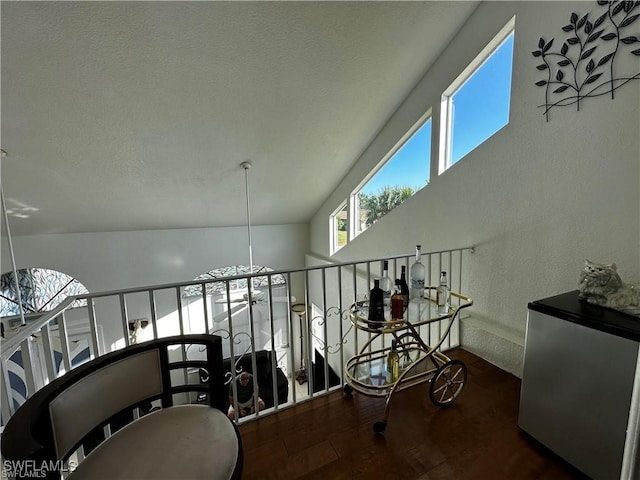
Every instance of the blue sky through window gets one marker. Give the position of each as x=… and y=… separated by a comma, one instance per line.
x=474, y=107
x=481, y=104
x=409, y=166
x=481, y=108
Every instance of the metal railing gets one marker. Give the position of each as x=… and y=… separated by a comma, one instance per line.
x=300, y=316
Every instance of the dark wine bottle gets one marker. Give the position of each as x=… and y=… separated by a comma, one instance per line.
x=404, y=287
x=376, y=306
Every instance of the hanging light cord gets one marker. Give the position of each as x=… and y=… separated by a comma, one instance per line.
x=23, y=322
x=247, y=166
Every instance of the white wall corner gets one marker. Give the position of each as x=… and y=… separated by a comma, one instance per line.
x=493, y=344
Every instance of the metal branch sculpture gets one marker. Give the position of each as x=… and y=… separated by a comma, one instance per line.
x=575, y=72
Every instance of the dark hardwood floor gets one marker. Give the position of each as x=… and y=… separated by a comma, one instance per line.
x=475, y=438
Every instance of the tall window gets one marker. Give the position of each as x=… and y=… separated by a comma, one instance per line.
x=476, y=105
x=41, y=290
x=339, y=227
x=405, y=171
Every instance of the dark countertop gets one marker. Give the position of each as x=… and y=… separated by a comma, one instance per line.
x=568, y=307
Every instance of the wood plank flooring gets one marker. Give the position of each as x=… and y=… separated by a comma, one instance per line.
x=476, y=438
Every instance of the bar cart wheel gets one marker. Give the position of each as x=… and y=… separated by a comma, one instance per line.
x=380, y=427
x=348, y=389
x=447, y=383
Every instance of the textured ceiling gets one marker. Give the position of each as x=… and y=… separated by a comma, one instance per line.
x=136, y=115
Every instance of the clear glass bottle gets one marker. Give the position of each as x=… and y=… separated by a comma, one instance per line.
x=404, y=287
x=417, y=277
x=397, y=304
x=442, y=295
x=385, y=284
x=393, y=363
x=376, y=306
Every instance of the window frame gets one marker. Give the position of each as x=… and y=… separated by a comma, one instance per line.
x=446, y=102
x=333, y=226
x=238, y=286
x=354, y=199
x=43, y=291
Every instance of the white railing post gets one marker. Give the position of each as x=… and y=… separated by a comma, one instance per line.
x=207, y=327
x=325, y=329
x=64, y=342
x=27, y=364
x=93, y=329
x=48, y=354
x=180, y=313
x=154, y=315
x=307, y=324
x=6, y=403
x=340, y=322
x=124, y=317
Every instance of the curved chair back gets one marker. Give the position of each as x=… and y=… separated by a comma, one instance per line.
x=58, y=418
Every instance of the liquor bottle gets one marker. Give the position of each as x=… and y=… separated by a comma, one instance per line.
x=376, y=306
x=442, y=295
x=404, y=288
x=385, y=284
x=397, y=304
x=393, y=363
x=417, y=277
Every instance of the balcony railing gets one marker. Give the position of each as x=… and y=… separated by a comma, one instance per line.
x=300, y=317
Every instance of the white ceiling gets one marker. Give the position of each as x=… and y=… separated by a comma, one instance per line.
x=137, y=115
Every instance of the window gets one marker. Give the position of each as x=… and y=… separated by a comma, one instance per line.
x=339, y=227
x=41, y=290
x=235, y=285
x=476, y=105
x=404, y=173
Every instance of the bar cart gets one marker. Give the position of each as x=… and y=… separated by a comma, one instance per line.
x=420, y=356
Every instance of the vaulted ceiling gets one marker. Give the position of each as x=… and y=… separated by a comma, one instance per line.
x=136, y=115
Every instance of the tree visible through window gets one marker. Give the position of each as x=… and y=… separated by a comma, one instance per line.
x=406, y=172
x=340, y=228
x=375, y=206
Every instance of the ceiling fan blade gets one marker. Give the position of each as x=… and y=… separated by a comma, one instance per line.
x=235, y=300
x=258, y=296
x=291, y=299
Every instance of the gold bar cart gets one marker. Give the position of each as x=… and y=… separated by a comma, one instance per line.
x=366, y=372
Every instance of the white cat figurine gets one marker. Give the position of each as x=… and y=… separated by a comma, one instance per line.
x=601, y=285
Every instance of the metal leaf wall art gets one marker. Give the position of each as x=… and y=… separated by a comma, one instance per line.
x=584, y=67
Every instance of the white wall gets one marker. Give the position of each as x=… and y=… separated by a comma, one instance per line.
x=536, y=199
x=119, y=260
